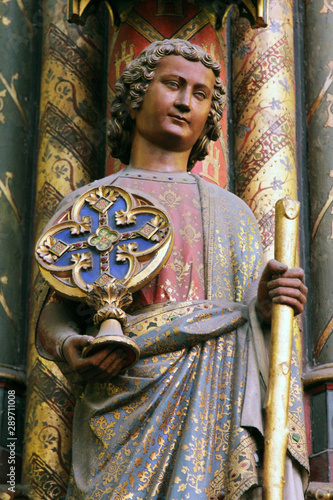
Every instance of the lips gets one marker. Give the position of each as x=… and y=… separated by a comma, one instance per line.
x=180, y=118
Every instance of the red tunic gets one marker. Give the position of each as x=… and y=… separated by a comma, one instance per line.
x=182, y=278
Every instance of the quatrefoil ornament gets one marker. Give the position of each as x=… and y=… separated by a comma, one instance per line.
x=108, y=244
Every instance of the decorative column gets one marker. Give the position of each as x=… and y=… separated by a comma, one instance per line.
x=264, y=102
x=319, y=379
x=18, y=30
x=264, y=116
x=71, y=149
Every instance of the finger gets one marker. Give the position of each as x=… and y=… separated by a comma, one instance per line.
x=101, y=368
x=297, y=305
x=77, y=343
x=293, y=293
x=99, y=375
x=273, y=267
x=81, y=340
x=111, y=371
x=93, y=361
x=86, y=339
x=114, y=362
x=117, y=355
x=295, y=272
x=294, y=283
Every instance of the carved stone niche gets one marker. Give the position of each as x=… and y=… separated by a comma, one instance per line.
x=253, y=10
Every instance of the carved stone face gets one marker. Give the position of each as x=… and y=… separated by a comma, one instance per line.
x=176, y=105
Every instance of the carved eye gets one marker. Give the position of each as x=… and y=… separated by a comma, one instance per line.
x=201, y=95
x=173, y=84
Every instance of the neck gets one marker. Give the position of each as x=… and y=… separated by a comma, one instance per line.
x=146, y=156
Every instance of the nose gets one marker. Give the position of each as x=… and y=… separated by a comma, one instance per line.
x=183, y=101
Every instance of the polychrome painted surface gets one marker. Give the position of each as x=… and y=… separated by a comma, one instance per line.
x=150, y=21
x=264, y=114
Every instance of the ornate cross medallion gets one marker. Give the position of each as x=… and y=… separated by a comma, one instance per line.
x=108, y=244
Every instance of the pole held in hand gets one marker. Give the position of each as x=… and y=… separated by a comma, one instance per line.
x=277, y=405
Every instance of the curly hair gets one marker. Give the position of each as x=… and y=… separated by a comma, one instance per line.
x=132, y=86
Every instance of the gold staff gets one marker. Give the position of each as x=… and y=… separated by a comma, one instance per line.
x=276, y=430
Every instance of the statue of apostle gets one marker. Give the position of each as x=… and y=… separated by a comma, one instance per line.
x=186, y=421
